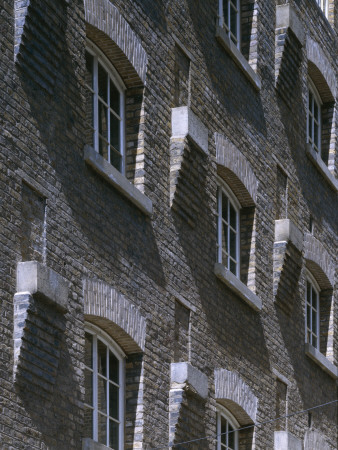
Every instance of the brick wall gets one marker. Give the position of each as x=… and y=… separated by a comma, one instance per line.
x=85, y=229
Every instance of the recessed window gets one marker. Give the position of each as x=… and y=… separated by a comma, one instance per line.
x=227, y=434
x=229, y=12
x=312, y=313
x=228, y=242
x=314, y=119
x=104, y=108
x=104, y=389
x=324, y=5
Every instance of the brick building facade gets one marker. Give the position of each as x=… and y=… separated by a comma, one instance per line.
x=168, y=224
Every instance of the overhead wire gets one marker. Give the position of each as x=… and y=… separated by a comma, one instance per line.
x=258, y=425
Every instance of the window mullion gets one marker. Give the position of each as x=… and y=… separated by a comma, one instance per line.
x=108, y=116
x=95, y=393
x=107, y=396
x=96, y=104
x=219, y=218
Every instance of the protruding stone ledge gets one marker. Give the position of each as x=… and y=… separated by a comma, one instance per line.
x=89, y=444
x=238, y=58
x=37, y=279
x=193, y=379
x=116, y=179
x=286, y=441
x=237, y=286
x=320, y=359
x=286, y=17
x=286, y=231
x=322, y=167
x=185, y=123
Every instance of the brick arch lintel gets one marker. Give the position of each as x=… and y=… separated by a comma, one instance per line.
x=232, y=392
x=325, y=72
x=319, y=262
x=236, y=170
x=104, y=16
x=115, y=314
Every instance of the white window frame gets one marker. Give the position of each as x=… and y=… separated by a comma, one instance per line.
x=118, y=83
x=97, y=333
x=314, y=287
x=227, y=26
x=223, y=188
x=315, y=99
x=324, y=6
x=222, y=412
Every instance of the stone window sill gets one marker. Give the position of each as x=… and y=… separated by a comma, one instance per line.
x=237, y=286
x=89, y=444
x=322, y=167
x=116, y=179
x=238, y=58
x=320, y=359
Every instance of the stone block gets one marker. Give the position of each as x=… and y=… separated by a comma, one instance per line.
x=38, y=279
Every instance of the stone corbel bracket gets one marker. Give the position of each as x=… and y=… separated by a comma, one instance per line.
x=286, y=21
x=188, y=147
x=36, y=281
x=184, y=379
x=287, y=250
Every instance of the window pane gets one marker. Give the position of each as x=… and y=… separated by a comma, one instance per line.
x=308, y=316
x=316, y=137
x=314, y=321
x=233, y=217
x=231, y=436
x=102, y=394
x=113, y=401
x=233, y=22
x=115, y=140
x=225, y=207
x=89, y=70
x=114, y=98
x=113, y=435
x=225, y=237
x=113, y=368
x=316, y=111
x=88, y=387
x=103, y=126
x=103, y=83
x=115, y=158
x=89, y=350
x=314, y=341
x=103, y=148
x=101, y=358
x=88, y=422
x=233, y=267
x=310, y=128
x=102, y=429
x=308, y=292
x=223, y=430
x=226, y=12
x=233, y=249
x=310, y=101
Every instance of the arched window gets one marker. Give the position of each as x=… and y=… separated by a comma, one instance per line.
x=104, y=107
x=228, y=241
x=227, y=434
x=104, y=389
x=314, y=119
x=312, y=320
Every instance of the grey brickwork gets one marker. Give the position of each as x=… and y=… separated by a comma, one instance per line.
x=134, y=254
